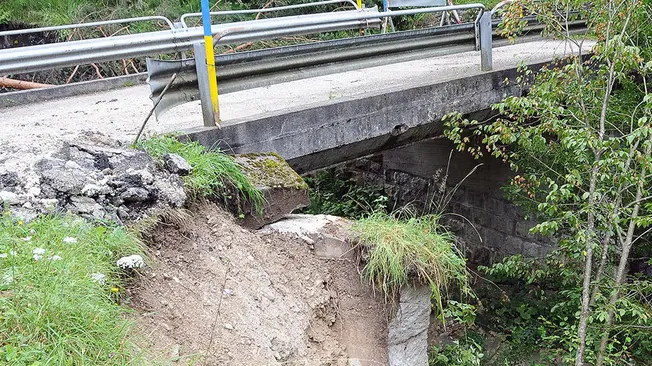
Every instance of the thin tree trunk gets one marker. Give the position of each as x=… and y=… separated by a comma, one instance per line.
x=586, y=280
x=624, y=256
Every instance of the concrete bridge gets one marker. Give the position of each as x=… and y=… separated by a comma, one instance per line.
x=313, y=122
x=390, y=113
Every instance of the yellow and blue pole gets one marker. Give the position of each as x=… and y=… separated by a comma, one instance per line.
x=210, y=58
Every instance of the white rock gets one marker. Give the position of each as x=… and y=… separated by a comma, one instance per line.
x=228, y=326
x=34, y=191
x=91, y=190
x=132, y=261
x=9, y=198
x=72, y=165
x=99, y=278
x=49, y=203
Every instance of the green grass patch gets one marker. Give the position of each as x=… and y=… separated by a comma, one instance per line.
x=214, y=174
x=404, y=249
x=52, y=309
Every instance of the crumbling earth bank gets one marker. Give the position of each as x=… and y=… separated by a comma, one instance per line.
x=222, y=295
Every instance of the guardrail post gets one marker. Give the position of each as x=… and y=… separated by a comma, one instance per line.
x=204, y=86
x=486, y=34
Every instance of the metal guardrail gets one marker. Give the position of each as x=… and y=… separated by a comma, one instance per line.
x=49, y=56
x=201, y=72
x=266, y=67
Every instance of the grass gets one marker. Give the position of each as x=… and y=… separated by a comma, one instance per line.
x=52, y=311
x=404, y=249
x=214, y=174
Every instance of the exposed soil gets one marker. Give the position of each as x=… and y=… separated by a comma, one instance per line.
x=222, y=295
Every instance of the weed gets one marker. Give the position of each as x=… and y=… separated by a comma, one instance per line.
x=462, y=353
x=214, y=174
x=58, y=289
x=336, y=193
x=416, y=247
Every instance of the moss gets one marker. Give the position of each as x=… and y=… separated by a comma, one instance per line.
x=270, y=170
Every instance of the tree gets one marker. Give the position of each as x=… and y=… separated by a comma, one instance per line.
x=581, y=144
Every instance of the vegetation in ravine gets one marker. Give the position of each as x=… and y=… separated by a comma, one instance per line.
x=214, y=174
x=336, y=192
x=60, y=292
x=580, y=145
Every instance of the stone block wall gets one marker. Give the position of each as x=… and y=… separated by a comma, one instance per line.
x=487, y=226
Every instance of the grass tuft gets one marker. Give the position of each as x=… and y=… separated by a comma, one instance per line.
x=214, y=174
x=414, y=248
x=52, y=310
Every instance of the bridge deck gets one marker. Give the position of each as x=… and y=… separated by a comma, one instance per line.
x=34, y=129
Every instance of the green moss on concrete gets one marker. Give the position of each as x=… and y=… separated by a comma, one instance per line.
x=270, y=170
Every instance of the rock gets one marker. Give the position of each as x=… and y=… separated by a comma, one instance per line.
x=135, y=194
x=63, y=181
x=106, y=181
x=408, y=331
x=92, y=190
x=34, y=191
x=71, y=165
x=127, y=159
x=8, y=179
x=9, y=198
x=172, y=190
x=327, y=235
x=131, y=262
x=282, y=350
x=228, y=326
x=49, y=203
x=174, y=163
x=86, y=205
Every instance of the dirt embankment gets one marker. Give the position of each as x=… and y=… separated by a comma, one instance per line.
x=222, y=295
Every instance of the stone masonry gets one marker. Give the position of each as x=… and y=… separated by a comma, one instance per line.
x=487, y=226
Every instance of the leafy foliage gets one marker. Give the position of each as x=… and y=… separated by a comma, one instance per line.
x=580, y=144
x=536, y=306
x=336, y=193
x=52, y=310
x=466, y=352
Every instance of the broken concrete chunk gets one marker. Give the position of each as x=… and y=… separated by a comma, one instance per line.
x=283, y=189
x=174, y=163
x=326, y=235
x=135, y=194
x=86, y=205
